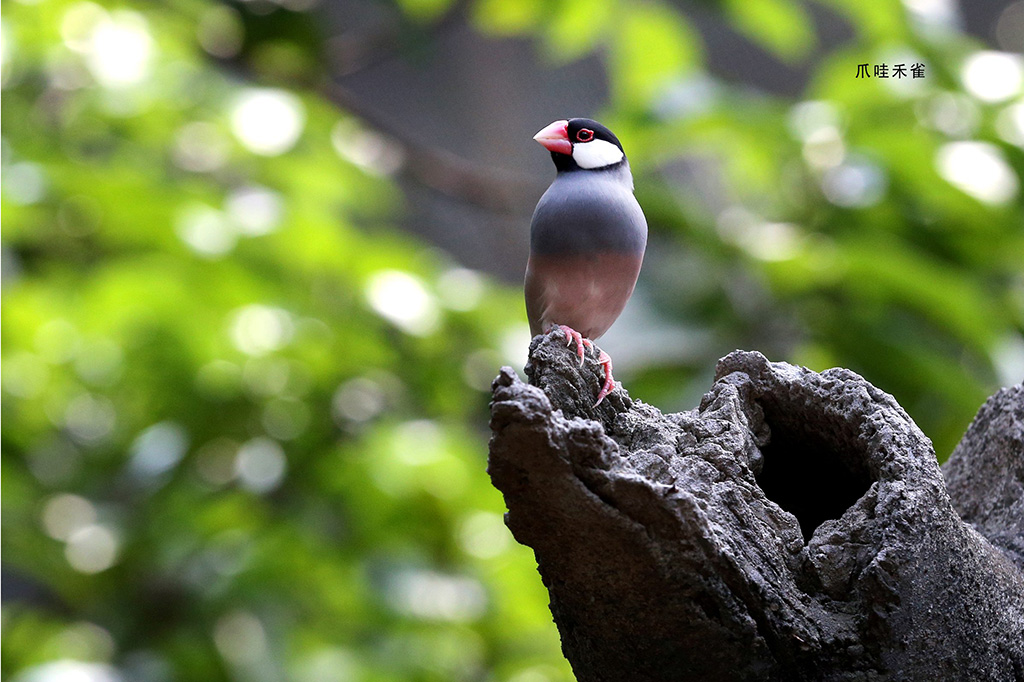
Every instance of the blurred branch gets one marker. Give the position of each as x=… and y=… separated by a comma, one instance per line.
x=481, y=185
x=485, y=186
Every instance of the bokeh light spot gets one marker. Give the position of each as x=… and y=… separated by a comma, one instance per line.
x=357, y=400
x=856, y=183
x=480, y=368
x=1010, y=124
x=254, y=210
x=200, y=147
x=120, y=49
x=65, y=514
x=375, y=153
x=206, y=231
x=240, y=638
x=952, y=113
x=403, y=299
x=90, y=419
x=67, y=670
x=484, y=535
x=993, y=76
x=806, y=119
x=539, y=673
x=824, y=148
x=24, y=183
x=259, y=329
x=268, y=121
x=220, y=31
x=92, y=549
x=78, y=24
x=515, y=345
x=58, y=341
x=418, y=442
x=934, y=17
x=7, y=50
x=978, y=169
x=260, y=465
x=99, y=362
x=460, y=289
x=85, y=641
x=158, y=449
x=1008, y=358
x=24, y=375
x=436, y=596
x=266, y=376
x=760, y=239
x=332, y=663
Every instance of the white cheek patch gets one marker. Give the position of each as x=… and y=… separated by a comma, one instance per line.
x=595, y=154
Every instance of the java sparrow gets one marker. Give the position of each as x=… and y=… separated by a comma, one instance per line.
x=587, y=238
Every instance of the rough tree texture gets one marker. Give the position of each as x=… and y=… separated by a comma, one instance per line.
x=795, y=526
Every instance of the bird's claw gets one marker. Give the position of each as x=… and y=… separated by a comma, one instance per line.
x=573, y=335
x=609, y=382
x=583, y=344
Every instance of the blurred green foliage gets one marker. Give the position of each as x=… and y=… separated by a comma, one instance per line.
x=244, y=416
x=237, y=443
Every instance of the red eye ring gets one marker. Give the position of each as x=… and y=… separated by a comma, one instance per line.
x=585, y=135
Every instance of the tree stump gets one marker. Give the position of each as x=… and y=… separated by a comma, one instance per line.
x=795, y=526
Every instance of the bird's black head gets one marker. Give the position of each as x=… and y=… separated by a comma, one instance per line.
x=581, y=144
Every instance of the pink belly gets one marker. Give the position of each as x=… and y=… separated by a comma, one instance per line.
x=586, y=293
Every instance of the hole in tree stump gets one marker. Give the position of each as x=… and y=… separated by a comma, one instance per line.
x=809, y=477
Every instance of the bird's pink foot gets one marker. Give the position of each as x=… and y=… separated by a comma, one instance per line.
x=609, y=382
x=581, y=343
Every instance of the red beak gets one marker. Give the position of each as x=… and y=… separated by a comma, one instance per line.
x=555, y=137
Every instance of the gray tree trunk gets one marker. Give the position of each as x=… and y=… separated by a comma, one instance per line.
x=795, y=526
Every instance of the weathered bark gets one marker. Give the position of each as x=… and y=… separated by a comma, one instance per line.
x=985, y=474
x=795, y=526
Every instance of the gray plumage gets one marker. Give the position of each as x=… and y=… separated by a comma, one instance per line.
x=587, y=242
x=584, y=211
x=587, y=238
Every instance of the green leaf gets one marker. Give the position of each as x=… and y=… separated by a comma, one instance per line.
x=653, y=47
x=571, y=32
x=780, y=26
x=507, y=17
x=887, y=270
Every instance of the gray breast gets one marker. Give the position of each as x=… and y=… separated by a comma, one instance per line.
x=584, y=212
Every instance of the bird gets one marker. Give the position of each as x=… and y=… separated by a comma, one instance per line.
x=587, y=239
